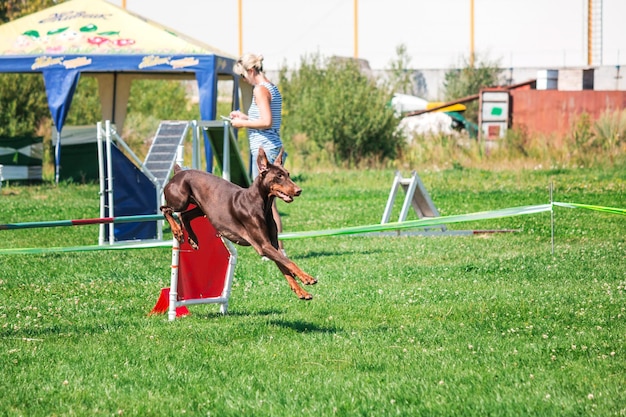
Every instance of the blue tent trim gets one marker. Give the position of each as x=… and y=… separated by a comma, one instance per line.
x=61, y=74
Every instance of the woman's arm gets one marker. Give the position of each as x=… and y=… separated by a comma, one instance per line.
x=263, y=98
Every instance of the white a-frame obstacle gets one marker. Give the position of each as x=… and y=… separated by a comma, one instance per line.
x=416, y=196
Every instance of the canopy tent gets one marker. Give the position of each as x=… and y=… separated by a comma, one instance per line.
x=100, y=39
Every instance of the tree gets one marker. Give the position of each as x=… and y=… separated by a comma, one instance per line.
x=23, y=105
x=400, y=78
x=469, y=80
x=338, y=108
x=13, y=9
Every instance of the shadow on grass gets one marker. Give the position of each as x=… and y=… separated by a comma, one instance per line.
x=318, y=254
x=302, y=326
x=246, y=313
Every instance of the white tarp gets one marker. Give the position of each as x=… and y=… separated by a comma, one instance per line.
x=403, y=103
x=427, y=123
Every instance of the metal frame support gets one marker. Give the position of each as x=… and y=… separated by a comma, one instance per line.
x=416, y=196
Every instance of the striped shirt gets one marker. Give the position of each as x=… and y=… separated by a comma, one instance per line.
x=267, y=138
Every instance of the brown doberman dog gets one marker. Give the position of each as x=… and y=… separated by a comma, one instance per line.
x=241, y=215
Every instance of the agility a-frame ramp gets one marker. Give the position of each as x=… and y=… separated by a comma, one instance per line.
x=166, y=149
x=126, y=188
x=129, y=186
x=416, y=196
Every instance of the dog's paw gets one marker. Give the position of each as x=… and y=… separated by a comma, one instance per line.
x=308, y=280
x=193, y=244
x=305, y=296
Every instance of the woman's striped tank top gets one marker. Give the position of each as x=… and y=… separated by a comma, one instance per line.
x=267, y=138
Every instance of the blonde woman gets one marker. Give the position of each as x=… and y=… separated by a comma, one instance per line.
x=263, y=119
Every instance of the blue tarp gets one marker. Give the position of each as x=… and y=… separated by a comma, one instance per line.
x=134, y=194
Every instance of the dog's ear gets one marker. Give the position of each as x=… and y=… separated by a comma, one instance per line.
x=262, y=161
x=279, y=158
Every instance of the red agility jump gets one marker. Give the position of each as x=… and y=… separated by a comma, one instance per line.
x=202, y=276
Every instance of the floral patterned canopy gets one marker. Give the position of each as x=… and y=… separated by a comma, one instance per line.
x=97, y=37
x=93, y=27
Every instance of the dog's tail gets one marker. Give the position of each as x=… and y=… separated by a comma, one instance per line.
x=177, y=169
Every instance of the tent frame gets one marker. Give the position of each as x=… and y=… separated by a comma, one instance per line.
x=115, y=70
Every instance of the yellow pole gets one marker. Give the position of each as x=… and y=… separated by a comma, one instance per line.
x=123, y=4
x=240, y=29
x=471, y=58
x=589, y=32
x=356, y=29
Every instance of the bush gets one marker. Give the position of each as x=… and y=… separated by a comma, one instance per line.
x=591, y=141
x=610, y=132
x=333, y=107
x=23, y=104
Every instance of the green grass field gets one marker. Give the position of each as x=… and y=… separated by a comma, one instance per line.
x=415, y=326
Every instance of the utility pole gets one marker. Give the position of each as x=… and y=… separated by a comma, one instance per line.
x=356, y=29
x=240, y=27
x=471, y=58
x=594, y=32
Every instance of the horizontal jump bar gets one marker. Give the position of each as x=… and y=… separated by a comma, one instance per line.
x=82, y=222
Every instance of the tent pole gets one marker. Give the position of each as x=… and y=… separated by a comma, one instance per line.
x=113, y=109
x=57, y=158
x=195, y=147
x=110, y=181
x=101, y=176
x=226, y=148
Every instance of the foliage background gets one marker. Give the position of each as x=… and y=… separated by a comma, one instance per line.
x=331, y=105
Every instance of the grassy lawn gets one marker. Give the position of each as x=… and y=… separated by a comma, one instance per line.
x=489, y=324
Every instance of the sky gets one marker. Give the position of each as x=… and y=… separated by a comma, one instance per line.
x=436, y=33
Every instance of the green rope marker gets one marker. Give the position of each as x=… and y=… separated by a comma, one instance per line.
x=414, y=224
x=612, y=210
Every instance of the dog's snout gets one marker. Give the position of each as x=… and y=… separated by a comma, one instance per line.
x=298, y=191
